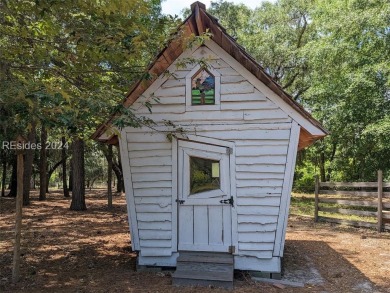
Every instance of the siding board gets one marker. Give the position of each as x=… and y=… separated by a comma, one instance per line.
x=166, y=226
x=153, y=192
x=153, y=217
x=154, y=234
x=256, y=237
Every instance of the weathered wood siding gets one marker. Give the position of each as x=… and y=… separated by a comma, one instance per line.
x=261, y=133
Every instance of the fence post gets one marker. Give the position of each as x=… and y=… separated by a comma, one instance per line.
x=316, y=191
x=380, y=195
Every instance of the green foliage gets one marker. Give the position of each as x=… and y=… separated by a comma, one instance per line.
x=333, y=57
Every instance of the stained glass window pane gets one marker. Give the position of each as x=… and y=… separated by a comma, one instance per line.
x=204, y=175
x=203, y=88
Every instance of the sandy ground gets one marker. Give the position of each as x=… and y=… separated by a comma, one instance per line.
x=67, y=251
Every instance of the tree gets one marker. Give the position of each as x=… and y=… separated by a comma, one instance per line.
x=64, y=157
x=67, y=61
x=78, y=189
x=43, y=165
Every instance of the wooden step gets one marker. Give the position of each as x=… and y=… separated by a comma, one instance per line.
x=203, y=283
x=203, y=275
x=206, y=257
x=204, y=269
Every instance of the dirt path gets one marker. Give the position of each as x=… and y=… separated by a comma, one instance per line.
x=65, y=251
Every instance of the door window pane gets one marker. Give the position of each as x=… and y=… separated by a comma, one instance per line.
x=204, y=175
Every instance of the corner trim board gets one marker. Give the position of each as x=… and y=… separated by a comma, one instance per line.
x=286, y=191
x=132, y=217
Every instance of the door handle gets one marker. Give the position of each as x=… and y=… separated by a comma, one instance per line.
x=229, y=201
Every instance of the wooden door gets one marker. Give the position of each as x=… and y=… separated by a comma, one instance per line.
x=204, y=197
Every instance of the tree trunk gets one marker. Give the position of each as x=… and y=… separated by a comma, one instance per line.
x=14, y=181
x=43, y=166
x=322, y=166
x=109, y=183
x=4, y=176
x=28, y=166
x=51, y=171
x=71, y=174
x=78, y=188
x=18, y=218
x=63, y=155
x=121, y=183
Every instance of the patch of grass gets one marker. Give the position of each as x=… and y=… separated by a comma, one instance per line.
x=303, y=205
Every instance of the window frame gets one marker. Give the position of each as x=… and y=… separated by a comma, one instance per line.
x=217, y=90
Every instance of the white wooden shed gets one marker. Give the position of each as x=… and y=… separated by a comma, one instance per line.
x=224, y=183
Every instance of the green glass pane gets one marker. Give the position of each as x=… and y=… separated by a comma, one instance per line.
x=204, y=175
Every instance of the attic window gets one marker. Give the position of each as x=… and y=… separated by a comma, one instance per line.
x=203, y=88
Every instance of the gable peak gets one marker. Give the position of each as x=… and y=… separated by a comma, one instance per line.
x=197, y=4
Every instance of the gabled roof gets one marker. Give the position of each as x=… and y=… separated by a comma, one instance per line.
x=198, y=23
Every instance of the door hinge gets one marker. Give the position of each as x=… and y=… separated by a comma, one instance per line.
x=229, y=201
x=180, y=201
x=232, y=249
x=229, y=151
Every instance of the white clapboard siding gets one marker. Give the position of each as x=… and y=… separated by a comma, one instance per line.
x=150, y=153
x=259, y=183
x=143, y=137
x=178, y=91
x=249, y=134
x=199, y=117
x=259, y=201
x=165, y=225
x=262, y=142
x=161, y=108
x=228, y=71
x=260, y=132
x=256, y=246
x=263, y=105
x=258, y=254
x=258, y=210
x=151, y=177
x=172, y=82
x=261, y=168
x=243, y=98
x=149, y=184
x=178, y=74
x=261, y=150
x=219, y=63
x=245, y=227
x=151, y=161
x=257, y=219
x=168, y=101
x=265, y=114
x=205, y=53
x=256, y=237
x=258, y=175
x=232, y=79
x=154, y=217
x=151, y=169
x=162, y=201
x=152, y=146
x=153, y=192
x=244, y=191
x=156, y=243
x=152, y=251
x=152, y=208
x=237, y=88
x=263, y=159
x=155, y=234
